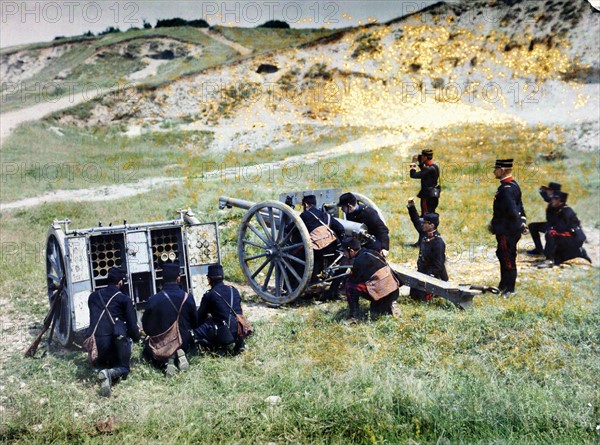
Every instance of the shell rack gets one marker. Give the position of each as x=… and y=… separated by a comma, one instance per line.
x=83, y=257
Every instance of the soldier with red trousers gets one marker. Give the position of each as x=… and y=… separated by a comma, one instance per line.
x=508, y=223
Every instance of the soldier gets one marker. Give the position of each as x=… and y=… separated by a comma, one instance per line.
x=170, y=304
x=432, y=251
x=429, y=175
x=508, y=223
x=217, y=315
x=564, y=238
x=113, y=323
x=324, y=230
x=536, y=228
x=368, y=216
x=370, y=278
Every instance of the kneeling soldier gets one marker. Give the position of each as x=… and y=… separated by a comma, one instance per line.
x=432, y=250
x=564, y=238
x=217, y=315
x=370, y=278
x=113, y=323
x=164, y=308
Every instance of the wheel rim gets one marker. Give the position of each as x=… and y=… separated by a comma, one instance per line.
x=275, y=252
x=55, y=275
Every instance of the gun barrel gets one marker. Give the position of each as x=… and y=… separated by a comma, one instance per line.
x=226, y=201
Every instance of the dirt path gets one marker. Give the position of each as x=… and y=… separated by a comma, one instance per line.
x=10, y=120
x=225, y=41
x=109, y=193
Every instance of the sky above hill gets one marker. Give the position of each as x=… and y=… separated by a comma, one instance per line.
x=36, y=21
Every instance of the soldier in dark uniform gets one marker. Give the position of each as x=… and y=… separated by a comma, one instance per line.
x=432, y=252
x=365, y=263
x=161, y=312
x=508, y=223
x=217, y=315
x=536, y=228
x=368, y=216
x=429, y=174
x=115, y=329
x=324, y=230
x=564, y=238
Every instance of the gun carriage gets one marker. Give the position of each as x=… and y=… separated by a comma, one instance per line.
x=77, y=263
x=277, y=257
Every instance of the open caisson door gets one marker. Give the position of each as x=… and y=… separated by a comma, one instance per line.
x=202, y=245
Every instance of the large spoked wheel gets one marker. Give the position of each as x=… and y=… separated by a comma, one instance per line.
x=275, y=252
x=56, y=278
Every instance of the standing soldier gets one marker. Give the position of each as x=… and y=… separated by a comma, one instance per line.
x=170, y=304
x=370, y=278
x=508, y=223
x=113, y=323
x=536, y=228
x=429, y=175
x=432, y=251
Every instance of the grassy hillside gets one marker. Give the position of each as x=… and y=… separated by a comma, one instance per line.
x=519, y=371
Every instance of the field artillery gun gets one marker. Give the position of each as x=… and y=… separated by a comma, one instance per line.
x=77, y=263
x=277, y=258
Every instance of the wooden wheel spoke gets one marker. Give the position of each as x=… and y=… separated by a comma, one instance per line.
x=272, y=223
x=286, y=278
x=263, y=224
x=277, y=281
x=281, y=229
x=293, y=246
x=54, y=278
x=254, y=257
x=262, y=266
x=287, y=237
x=293, y=258
x=252, y=243
x=268, y=277
x=291, y=269
x=257, y=233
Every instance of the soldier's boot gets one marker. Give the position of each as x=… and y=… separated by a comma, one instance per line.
x=106, y=378
x=182, y=362
x=170, y=368
x=353, y=309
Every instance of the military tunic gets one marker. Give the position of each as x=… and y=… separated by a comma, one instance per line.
x=507, y=224
x=564, y=238
x=113, y=352
x=375, y=226
x=160, y=314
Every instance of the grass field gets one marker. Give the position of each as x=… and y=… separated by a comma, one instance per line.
x=517, y=371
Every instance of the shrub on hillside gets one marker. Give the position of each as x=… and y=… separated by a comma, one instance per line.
x=275, y=24
x=170, y=23
x=109, y=30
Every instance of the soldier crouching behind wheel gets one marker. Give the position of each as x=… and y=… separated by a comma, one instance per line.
x=370, y=278
x=218, y=328
x=113, y=323
x=168, y=305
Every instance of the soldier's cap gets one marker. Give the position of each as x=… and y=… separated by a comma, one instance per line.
x=432, y=218
x=351, y=242
x=554, y=186
x=504, y=163
x=347, y=198
x=170, y=271
x=115, y=275
x=427, y=152
x=215, y=271
x=560, y=195
x=310, y=200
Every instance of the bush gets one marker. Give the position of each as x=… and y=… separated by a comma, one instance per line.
x=147, y=25
x=275, y=24
x=170, y=23
x=109, y=30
